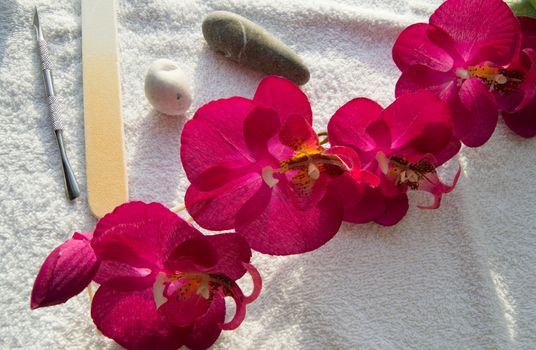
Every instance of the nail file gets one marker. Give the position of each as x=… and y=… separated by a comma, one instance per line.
x=107, y=184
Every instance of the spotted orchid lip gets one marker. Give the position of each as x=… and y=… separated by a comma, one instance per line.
x=499, y=79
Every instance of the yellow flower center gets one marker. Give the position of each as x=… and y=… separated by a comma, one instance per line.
x=502, y=80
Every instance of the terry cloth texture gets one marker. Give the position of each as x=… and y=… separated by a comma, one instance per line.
x=460, y=277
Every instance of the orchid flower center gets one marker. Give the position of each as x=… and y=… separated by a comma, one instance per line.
x=404, y=172
x=306, y=166
x=502, y=80
x=187, y=285
x=184, y=297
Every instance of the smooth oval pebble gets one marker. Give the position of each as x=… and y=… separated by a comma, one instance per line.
x=166, y=87
x=245, y=42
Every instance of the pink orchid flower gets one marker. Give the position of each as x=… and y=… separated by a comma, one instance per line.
x=469, y=55
x=162, y=282
x=403, y=144
x=523, y=121
x=257, y=166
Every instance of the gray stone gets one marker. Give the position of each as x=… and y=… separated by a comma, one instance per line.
x=243, y=41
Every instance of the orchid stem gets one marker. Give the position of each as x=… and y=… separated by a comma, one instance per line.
x=178, y=208
x=90, y=293
x=323, y=133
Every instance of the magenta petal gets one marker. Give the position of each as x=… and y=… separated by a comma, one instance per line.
x=481, y=31
x=278, y=228
x=240, y=311
x=214, y=136
x=395, y=209
x=370, y=206
x=420, y=118
x=141, y=235
x=206, y=329
x=351, y=160
x=448, y=152
x=518, y=98
x=346, y=189
x=347, y=127
x=523, y=122
x=413, y=46
x=132, y=212
x=194, y=255
x=259, y=127
x=233, y=252
x=185, y=306
x=66, y=272
x=216, y=210
x=130, y=318
x=528, y=28
x=284, y=97
x=416, y=78
x=433, y=185
x=111, y=269
x=297, y=132
x=381, y=133
x=220, y=175
x=257, y=283
x=475, y=118
x=305, y=194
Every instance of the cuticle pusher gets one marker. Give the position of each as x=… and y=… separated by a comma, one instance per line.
x=71, y=185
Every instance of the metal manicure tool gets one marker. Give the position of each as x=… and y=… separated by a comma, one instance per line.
x=71, y=185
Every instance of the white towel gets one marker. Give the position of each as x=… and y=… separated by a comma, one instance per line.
x=460, y=277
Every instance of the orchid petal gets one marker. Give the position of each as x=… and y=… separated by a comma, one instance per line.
x=257, y=283
x=206, y=329
x=141, y=235
x=370, y=207
x=216, y=210
x=448, y=152
x=111, y=269
x=480, y=31
x=433, y=185
x=347, y=127
x=417, y=78
x=66, y=272
x=284, y=97
x=187, y=303
x=272, y=225
x=194, y=255
x=351, y=160
x=525, y=92
x=395, y=209
x=130, y=317
x=297, y=133
x=381, y=133
x=259, y=127
x=306, y=186
x=233, y=254
x=214, y=137
x=240, y=313
x=523, y=122
x=346, y=154
x=347, y=189
x=413, y=46
x=475, y=113
x=220, y=175
x=420, y=119
x=528, y=28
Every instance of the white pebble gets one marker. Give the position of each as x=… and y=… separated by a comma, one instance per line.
x=167, y=88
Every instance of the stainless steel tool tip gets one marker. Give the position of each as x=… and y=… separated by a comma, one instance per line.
x=36, y=24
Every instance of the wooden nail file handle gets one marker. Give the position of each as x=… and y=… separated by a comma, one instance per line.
x=107, y=184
